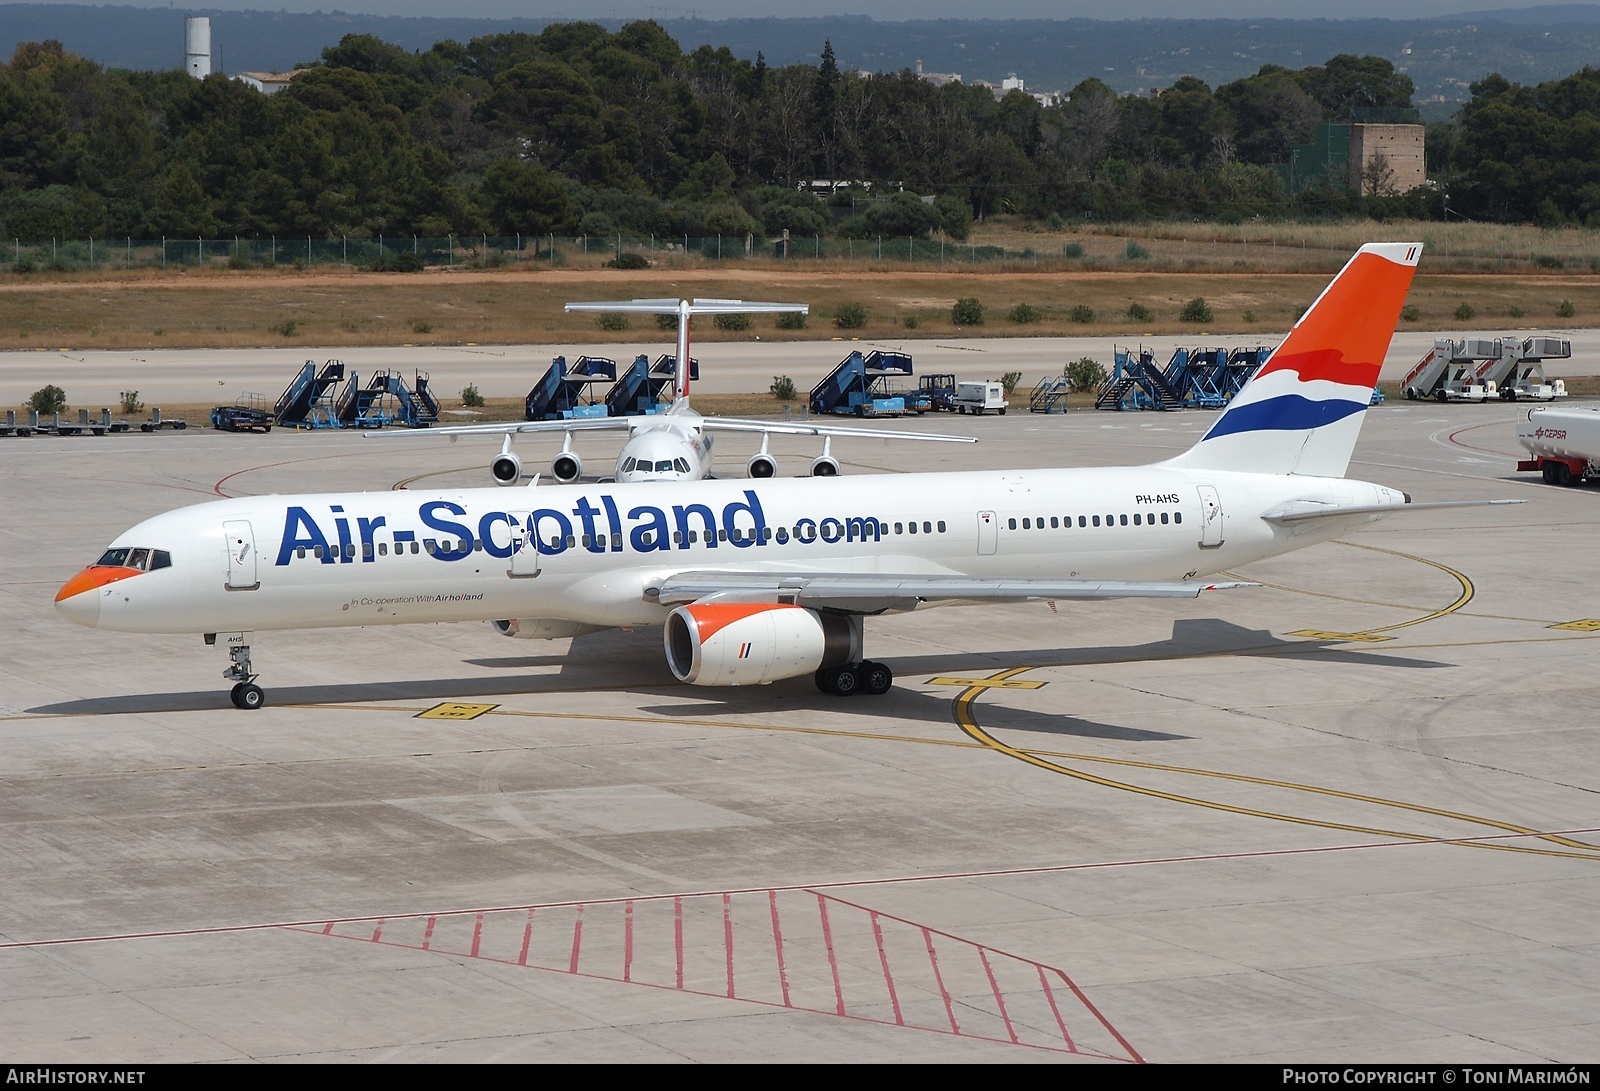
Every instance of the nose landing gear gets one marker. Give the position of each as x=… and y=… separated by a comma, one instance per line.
x=245, y=693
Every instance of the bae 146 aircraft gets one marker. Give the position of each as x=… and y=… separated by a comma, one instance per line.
x=758, y=580
x=673, y=445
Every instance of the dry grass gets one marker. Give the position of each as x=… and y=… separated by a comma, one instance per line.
x=255, y=309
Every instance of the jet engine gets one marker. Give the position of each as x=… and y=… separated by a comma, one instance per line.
x=506, y=468
x=566, y=467
x=762, y=465
x=752, y=643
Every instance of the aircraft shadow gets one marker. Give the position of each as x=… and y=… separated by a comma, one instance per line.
x=603, y=660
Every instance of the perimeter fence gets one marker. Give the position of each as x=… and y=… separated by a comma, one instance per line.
x=1119, y=251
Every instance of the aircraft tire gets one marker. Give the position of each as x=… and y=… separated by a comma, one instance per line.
x=839, y=681
x=248, y=695
x=876, y=678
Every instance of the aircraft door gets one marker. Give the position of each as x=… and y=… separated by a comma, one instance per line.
x=524, y=547
x=1211, y=515
x=988, y=533
x=241, y=547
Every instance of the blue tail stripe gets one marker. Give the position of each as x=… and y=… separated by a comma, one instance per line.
x=1285, y=413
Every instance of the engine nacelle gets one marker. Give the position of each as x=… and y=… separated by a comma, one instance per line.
x=762, y=466
x=824, y=466
x=752, y=643
x=566, y=467
x=506, y=469
x=542, y=628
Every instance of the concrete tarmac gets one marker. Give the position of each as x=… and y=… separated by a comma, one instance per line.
x=1345, y=815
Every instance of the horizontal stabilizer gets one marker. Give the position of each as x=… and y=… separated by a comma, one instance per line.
x=698, y=306
x=1302, y=511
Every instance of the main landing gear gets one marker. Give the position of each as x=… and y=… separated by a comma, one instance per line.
x=852, y=678
x=245, y=694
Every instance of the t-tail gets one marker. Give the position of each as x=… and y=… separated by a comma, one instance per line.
x=684, y=310
x=1301, y=413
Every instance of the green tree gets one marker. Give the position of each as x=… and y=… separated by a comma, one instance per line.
x=522, y=197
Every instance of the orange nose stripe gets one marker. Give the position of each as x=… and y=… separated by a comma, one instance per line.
x=96, y=575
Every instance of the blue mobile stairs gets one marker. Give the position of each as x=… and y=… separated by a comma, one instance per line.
x=867, y=386
x=1198, y=378
x=386, y=399
x=567, y=391
x=308, y=401
x=646, y=387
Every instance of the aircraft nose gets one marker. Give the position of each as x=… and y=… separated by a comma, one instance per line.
x=79, y=598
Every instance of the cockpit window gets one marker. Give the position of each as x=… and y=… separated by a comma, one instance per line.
x=681, y=465
x=663, y=465
x=144, y=559
x=627, y=464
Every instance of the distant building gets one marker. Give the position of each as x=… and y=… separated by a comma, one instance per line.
x=197, y=46
x=1385, y=159
x=1366, y=158
x=938, y=79
x=268, y=83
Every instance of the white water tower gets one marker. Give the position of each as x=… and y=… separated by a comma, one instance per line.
x=197, y=45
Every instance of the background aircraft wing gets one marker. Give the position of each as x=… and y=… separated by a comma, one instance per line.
x=800, y=428
x=878, y=592
x=583, y=424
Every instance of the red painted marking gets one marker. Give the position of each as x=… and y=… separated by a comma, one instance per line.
x=427, y=935
x=938, y=979
x=677, y=935
x=1094, y=1011
x=727, y=936
x=833, y=961
x=328, y=928
x=1451, y=438
x=377, y=933
x=477, y=935
x=627, y=940
x=777, y=942
x=999, y=999
x=217, y=488
x=577, y=940
x=1050, y=995
x=527, y=937
x=888, y=978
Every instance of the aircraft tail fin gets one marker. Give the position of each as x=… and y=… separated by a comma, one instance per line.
x=1301, y=413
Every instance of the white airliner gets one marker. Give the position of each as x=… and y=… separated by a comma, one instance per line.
x=672, y=445
x=759, y=580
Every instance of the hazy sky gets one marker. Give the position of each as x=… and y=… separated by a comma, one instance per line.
x=878, y=9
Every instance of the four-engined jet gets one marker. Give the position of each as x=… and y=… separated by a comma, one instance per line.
x=674, y=444
x=758, y=580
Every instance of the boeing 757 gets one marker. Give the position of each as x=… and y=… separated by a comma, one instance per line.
x=753, y=581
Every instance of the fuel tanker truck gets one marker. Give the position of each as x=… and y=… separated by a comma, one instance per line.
x=1564, y=443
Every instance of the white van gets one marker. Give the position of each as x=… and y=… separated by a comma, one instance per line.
x=977, y=397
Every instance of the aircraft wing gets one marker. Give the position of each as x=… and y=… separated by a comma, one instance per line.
x=1301, y=511
x=796, y=428
x=581, y=424
x=879, y=592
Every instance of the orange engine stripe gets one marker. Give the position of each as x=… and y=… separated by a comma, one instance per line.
x=96, y=575
x=712, y=616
